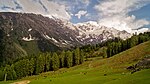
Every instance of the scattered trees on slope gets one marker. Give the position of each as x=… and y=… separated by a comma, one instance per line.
x=53, y=61
x=121, y=45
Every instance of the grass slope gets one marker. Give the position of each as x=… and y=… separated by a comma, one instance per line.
x=30, y=47
x=100, y=71
x=21, y=50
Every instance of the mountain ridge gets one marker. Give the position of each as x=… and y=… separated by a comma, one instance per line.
x=33, y=34
x=64, y=32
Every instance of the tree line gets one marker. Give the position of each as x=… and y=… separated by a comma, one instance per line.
x=44, y=62
x=114, y=46
x=52, y=61
x=122, y=45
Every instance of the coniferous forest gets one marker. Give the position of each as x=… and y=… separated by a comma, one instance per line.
x=52, y=61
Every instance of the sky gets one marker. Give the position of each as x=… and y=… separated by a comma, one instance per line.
x=121, y=14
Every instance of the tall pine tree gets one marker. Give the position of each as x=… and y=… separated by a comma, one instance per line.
x=76, y=56
x=55, y=61
x=68, y=59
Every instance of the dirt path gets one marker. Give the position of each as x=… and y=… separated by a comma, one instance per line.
x=22, y=82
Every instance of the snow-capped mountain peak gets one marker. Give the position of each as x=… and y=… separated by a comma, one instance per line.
x=89, y=23
x=61, y=33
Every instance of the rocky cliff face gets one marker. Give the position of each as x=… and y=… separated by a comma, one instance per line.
x=31, y=27
x=27, y=34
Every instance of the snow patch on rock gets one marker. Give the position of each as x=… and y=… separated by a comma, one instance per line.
x=28, y=38
x=47, y=37
x=29, y=29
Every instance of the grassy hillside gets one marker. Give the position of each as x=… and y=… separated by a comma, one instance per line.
x=100, y=71
x=31, y=47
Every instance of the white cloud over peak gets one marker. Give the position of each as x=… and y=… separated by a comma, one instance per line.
x=114, y=13
x=44, y=7
x=81, y=13
x=111, y=13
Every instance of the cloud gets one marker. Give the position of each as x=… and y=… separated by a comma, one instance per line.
x=114, y=13
x=81, y=13
x=64, y=9
x=44, y=7
x=86, y=2
x=74, y=5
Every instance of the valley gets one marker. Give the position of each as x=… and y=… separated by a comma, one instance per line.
x=37, y=49
x=74, y=42
x=111, y=70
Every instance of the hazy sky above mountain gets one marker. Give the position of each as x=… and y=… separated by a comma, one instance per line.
x=121, y=14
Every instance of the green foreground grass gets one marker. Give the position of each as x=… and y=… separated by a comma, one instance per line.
x=99, y=71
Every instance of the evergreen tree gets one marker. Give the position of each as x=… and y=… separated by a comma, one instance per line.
x=109, y=51
x=68, y=59
x=62, y=59
x=81, y=56
x=31, y=66
x=55, y=61
x=22, y=68
x=1, y=75
x=76, y=56
x=9, y=73
x=13, y=72
x=47, y=61
x=133, y=41
x=40, y=62
x=119, y=47
x=104, y=52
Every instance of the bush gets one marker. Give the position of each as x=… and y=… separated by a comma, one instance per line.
x=1, y=75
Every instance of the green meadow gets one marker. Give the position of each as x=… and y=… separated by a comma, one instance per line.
x=99, y=71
